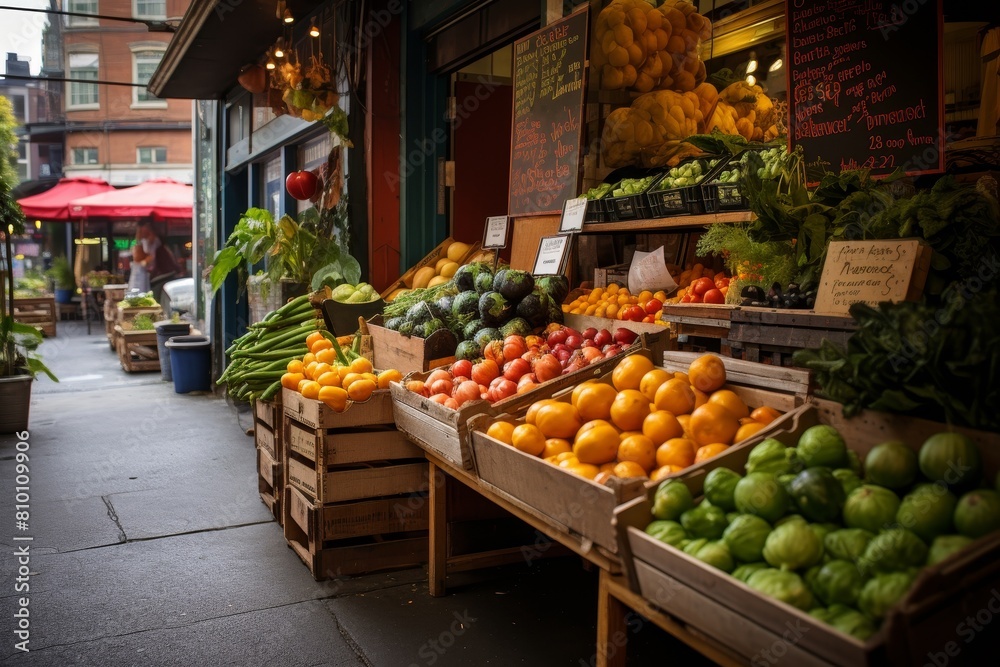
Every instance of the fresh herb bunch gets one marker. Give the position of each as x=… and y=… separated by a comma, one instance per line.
x=139, y=300
x=142, y=322
x=771, y=261
x=937, y=361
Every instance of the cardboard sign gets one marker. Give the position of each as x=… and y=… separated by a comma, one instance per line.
x=495, y=235
x=870, y=272
x=573, y=214
x=551, y=257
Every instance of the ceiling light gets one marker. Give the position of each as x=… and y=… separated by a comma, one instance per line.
x=752, y=63
x=776, y=65
x=751, y=79
x=313, y=31
x=287, y=16
x=270, y=64
x=278, y=51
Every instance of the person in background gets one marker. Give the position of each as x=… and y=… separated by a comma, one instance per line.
x=164, y=267
x=143, y=257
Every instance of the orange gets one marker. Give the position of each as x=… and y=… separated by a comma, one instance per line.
x=676, y=452
x=528, y=439
x=575, y=396
x=595, y=422
x=596, y=445
x=651, y=381
x=682, y=376
x=660, y=426
x=629, y=410
x=584, y=470
x=566, y=456
x=335, y=398
x=294, y=366
x=640, y=450
x=361, y=390
x=685, y=422
x=291, y=380
x=529, y=416
x=728, y=399
x=709, y=451
x=328, y=356
x=501, y=431
x=594, y=400
x=628, y=434
x=765, y=414
x=713, y=423
x=313, y=337
x=391, y=375
x=321, y=344
x=608, y=467
x=663, y=472
x=747, y=430
x=629, y=371
x=676, y=396
x=329, y=379
x=558, y=420
x=361, y=365
x=707, y=373
x=629, y=469
x=700, y=398
x=555, y=446
x=311, y=389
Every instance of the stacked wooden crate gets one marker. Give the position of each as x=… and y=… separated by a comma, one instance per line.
x=355, y=499
x=112, y=295
x=40, y=312
x=268, y=436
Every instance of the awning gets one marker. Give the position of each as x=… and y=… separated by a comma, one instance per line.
x=215, y=39
x=158, y=198
x=53, y=204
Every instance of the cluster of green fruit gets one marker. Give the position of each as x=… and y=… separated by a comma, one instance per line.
x=687, y=174
x=360, y=293
x=802, y=525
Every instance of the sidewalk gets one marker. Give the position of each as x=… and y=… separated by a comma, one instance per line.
x=151, y=547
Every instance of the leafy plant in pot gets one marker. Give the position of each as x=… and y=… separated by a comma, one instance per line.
x=19, y=360
x=62, y=275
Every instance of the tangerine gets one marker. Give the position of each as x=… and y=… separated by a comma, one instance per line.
x=629, y=469
x=596, y=445
x=707, y=373
x=652, y=381
x=501, y=430
x=629, y=409
x=747, y=430
x=728, y=399
x=558, y=420
x=594, y=400
x=712, y=423
x=660, y=426
x=528, y=439
x=676, y=452
x=710, y=451
x=629, y=371
x=640, y=450
x=554, y=446
x=663, y=472
x=765, y=414
x=676, y=396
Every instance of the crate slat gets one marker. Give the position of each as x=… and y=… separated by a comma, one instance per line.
x=323, y=486
x=375, y=411
x=270, y=484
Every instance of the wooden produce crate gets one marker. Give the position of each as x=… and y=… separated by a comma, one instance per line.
x=268, y=435
x=315, y=414
x=715, y=605
x=406, y=354
x=578, y=504
x=771, y=336
x=445, y=432
x=270, y=484
x=356, y=537
x=114, y=293
x=137, y=351
x=38, y=311
x=430, y=260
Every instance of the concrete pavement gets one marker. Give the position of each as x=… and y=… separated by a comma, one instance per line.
x=150, y=546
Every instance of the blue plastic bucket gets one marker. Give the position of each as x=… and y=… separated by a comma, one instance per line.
x=190, y=363
x=165, y=330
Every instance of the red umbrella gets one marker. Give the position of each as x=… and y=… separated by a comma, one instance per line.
x=53, y=204
x=157, y=198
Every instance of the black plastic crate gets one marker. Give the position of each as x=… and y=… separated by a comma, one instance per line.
x=595, y=211
x=629, y=207
x=685, y=200
x=729, y=196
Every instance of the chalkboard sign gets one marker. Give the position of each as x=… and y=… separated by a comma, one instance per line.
x=864, y=85
x=549, y=74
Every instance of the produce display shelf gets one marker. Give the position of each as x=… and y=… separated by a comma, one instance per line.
x=675, y=222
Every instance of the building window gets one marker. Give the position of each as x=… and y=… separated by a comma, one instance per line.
x=151, y=154
x=85, y=155
x=144, y=63
x=149, y=9
x=83, y=66
x=81, y=7
x=18, y=102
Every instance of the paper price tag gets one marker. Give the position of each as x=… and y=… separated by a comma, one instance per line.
x=551, y=256
x=495, y=235
x=574, y=212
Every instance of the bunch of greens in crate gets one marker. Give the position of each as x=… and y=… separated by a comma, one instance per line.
x=688, y=174
x=138, y=300
x=143, y=322
x=632, y=186
x=749, y=262
x=939, y=362
x=31, y=284
x=597, y=192
x=769, y=164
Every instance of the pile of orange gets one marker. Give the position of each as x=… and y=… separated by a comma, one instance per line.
x=319, y=376
x=610, y=301
x=647, y=422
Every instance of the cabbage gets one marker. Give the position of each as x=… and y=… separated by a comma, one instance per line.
x=838, y=582
x=785, y=586
x=672, y=498
x=793, y=545
x=880, y=593
x=745, y=537
x=848, y=543
x=706, y=521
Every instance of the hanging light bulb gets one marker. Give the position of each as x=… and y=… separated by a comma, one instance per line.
x=752, y=63
x=270, y=64
x=776, y=65
x=38, y=224
x=287, y=17
x=278, y=51
x=313, y=31
x=751, y=79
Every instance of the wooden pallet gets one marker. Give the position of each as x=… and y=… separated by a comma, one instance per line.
x=137, y=351
x=39, y=312
x=270, y=483
x=771, y=336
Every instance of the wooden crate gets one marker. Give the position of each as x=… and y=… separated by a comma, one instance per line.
x=365, y=552
x=391, y=349
x=771, y=336
x=718, y=606
x=270, y=483
x=268, y=427
x=315, y=414
x=430, y=260
x=581, y=505
x=39, y=312
x=137, y=351
x=349, y=464
x=445, y=432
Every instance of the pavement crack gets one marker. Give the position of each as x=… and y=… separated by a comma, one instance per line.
x=122, y=537
x=349, y=639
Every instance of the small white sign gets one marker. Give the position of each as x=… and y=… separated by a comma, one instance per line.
x=551, y=257
x=574, y=212
x=496, y=232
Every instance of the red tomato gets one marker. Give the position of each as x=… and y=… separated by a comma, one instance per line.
x=485, y=371
x=301, y=184
x=650, y=319
x=462, y=368
x=696, y=298
x=702, y=285
x=714, y=296
x=653, y=306
x=635, y=313
x=515, y=368
x=546, y=367
x=686, y=298
x=721, y=282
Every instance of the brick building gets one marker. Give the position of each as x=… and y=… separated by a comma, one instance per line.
x=122, y=134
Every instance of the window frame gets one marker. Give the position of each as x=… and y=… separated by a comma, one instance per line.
x=152, y=152
x=141, y=50
x=70, y=105
x=136, y=14
x=77, y=163
x=79, y=21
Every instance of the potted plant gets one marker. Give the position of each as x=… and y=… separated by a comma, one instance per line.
x=19, y=360
x=62, y=275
